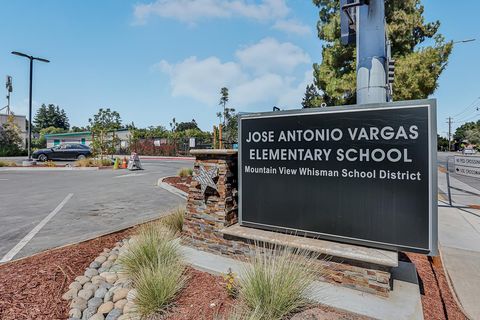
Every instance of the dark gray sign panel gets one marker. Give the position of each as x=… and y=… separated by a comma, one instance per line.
x=359, y=174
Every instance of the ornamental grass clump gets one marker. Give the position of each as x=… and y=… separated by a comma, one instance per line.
x=274, y=284
x=89, y=162
x=7, y=164
x=157, y=286
x=154, y=244
x=174, y=220
x=185, y=172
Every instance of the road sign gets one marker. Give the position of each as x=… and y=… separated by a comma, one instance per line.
x=358, y=174
x=467, y=171
x=467, y=166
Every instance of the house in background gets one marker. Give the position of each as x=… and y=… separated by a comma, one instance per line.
x=21, y=122
x=84, y=138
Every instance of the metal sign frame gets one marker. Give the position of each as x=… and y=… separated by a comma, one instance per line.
x=430, y=104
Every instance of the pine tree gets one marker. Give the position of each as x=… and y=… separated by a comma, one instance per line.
x=51, y=116
x=312, y=98
x=417, y=68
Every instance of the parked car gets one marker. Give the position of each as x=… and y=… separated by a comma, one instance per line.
x=68, y=151
x=468, y=150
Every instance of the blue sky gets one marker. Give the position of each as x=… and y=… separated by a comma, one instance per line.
x=155, y=60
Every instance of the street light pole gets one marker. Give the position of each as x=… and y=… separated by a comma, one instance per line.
x=31, y=58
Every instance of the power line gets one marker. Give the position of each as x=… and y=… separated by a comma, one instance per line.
x=469, y=106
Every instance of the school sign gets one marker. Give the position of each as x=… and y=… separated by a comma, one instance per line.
x=357, y=174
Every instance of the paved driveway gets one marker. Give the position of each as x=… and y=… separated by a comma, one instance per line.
x=79, y=204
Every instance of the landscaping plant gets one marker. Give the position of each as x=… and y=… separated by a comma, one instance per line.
x=185, y=172
x=89, y=162
x=274, y=284
x=174, y=220
x=7, y=163
x=157, y=286
x=50, y=164
x=153, y=244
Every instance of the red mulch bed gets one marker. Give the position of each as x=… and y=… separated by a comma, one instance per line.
x=180, y=183
x=32, y=288
x=437, y=299
x=195, y=301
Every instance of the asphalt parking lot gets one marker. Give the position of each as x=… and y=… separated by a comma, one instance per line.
x=79, y=204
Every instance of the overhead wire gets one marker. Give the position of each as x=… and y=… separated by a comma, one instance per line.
x=474, y=102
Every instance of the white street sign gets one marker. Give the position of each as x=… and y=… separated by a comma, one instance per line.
x=467, y=161
x=467, y=171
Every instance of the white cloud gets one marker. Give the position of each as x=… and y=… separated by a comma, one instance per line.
x=271, y=56
x=201, y=79
x=292, y=26
x=252, y=85
x=191, y=11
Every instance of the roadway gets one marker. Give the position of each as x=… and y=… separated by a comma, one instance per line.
x=79, y=204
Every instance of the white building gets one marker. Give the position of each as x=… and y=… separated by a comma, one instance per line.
x=84, y=137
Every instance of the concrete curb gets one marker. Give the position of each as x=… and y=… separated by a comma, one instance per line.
x=451, y=287
x=171, y=189
x=166, y=158
x=49, y=169
x=118, y=230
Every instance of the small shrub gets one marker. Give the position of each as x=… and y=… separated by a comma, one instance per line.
x=231, y=283
x=89, y=162
x=273, y=286
x=50, y=164
x=7, y=163
x=153, y=244
x=157, y=286
x=185, y=172
x=175, y=220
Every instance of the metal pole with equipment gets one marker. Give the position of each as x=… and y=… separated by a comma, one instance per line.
x=9, y=87
x=31, y=58
x=363, y=22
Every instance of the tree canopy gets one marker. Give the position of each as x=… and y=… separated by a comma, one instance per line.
x=50, y=116
x=103, y=127
x=10, y=140
x=312, y=98
x=418, y=65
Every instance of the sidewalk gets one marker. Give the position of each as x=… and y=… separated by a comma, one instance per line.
x=462, y=193
x=459, y=242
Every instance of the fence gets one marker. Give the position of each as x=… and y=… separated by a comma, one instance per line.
x=164, y=147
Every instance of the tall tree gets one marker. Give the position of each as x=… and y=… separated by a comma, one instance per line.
x=103, y=127
x=312, y=98
x=417, y=66
x=223, y=101
x=461, y=132
x=10, y=140
x=51, y=116
x=182, y=126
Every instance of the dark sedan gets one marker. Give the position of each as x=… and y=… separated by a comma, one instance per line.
x=68, y=151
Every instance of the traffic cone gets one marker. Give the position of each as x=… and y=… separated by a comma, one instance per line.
x=124, y=164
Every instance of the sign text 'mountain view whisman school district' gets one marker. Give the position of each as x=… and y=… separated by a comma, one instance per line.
x=354, y=174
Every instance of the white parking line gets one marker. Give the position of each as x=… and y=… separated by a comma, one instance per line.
x=13, y=252
x=3, y=179
x=130, y=175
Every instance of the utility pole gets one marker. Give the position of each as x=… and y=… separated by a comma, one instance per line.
x=371, y=52
x=449, y=132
